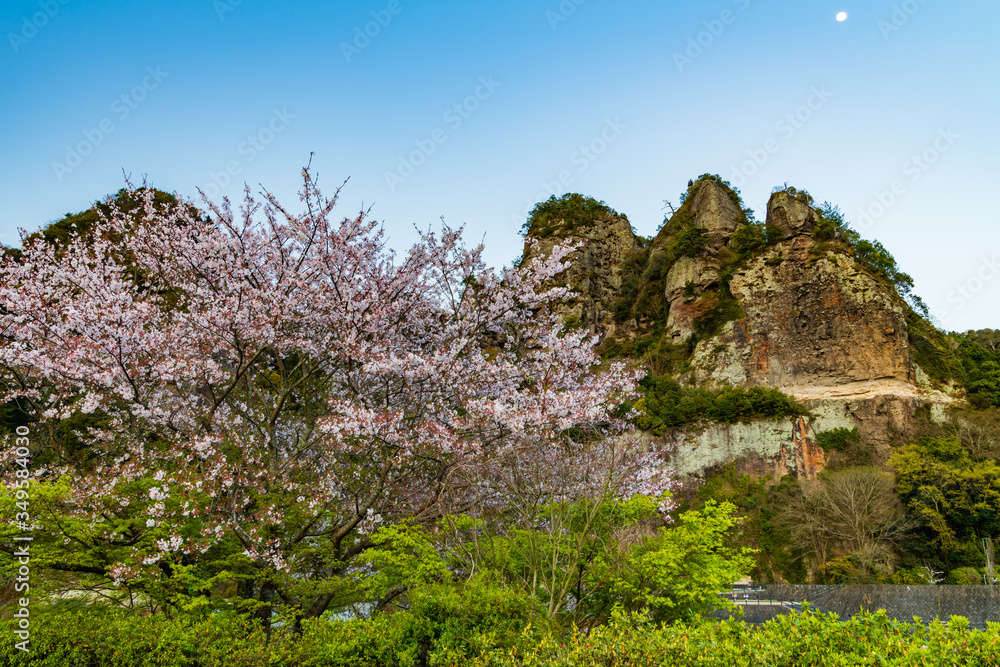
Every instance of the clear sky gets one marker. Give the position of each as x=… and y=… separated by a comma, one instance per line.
x=891, y=114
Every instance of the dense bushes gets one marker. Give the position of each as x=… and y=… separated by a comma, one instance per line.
x=443, y=624
x=665, y=404
x=690, y=242
x=980, y=359
x=838, y=439
x=870, y=254
x=410, y=639
x=806, y=639
x=955, y=497
x=439, y=600
x=972, y=359
x=94, y=636
x=748, y=239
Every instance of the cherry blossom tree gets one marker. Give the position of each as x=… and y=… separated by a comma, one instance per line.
x=254, y=391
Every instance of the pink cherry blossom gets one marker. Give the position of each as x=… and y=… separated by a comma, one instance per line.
x=284, y=380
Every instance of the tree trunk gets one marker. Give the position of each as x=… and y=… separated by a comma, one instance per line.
x=264, y=612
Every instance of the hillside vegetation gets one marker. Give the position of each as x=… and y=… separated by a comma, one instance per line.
x=904, y=541
x=238, y=440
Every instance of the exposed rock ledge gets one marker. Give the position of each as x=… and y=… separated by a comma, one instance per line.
x=883, y=411
x=868, y=389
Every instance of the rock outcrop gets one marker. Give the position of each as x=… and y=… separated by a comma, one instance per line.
x=811, y=317
x=781, y=447
x=712, y=210
x=808, y=321
x=595, y=270
x=790, y=214
x=793, y=312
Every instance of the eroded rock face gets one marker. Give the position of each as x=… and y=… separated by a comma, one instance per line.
x=776, y=448
x=792, y=215
x=595, y=270
x=692, y=277
x=763, y=448
x=810, y=321
x=812, y=317
x=688, y=280
x=715, y=211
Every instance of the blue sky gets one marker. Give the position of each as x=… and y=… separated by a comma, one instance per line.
x=891, y=114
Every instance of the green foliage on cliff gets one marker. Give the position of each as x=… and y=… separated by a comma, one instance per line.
x=690, y=242
x=979, y=356
x=874, y=256
x=748, y=239
x=643, y=299
x=838, y=439
x=870, y=254
x=971, y=359
x=933, y=350
x=631, y=273
x=665, y=404
x=984, y=385
x=573, y=210
x=723, y=308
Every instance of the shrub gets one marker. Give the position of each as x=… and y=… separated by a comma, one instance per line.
x=628, y=639
x=790, y=639
x=443, y=624
x=574, y=209
x=773, y=233
x=826, y=230
x=747, y=239
x=838, y=439
x=964, y=576
x=691, y=242
x=984, y=387
x=665, y=404
x=912, y=576
x=97, y=636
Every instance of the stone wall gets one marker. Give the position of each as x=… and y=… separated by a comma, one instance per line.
x=979, y=604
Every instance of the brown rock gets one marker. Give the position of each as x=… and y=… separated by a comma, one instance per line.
x=813, y=321
x=595, y=270
x=791, y=214
x=691, y=278
x=715, y=211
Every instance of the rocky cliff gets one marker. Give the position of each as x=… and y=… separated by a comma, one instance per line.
x=709, y=218
x=597, y=268
x=783, y=304
x=812, y=317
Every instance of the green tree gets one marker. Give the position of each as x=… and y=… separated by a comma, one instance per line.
x=690, y=242
x=748, y=239
x=984, y=385
x=562, y=559
x=679, y=572
x=956, y=498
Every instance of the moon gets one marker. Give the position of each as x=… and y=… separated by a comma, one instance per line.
x=842, y=16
